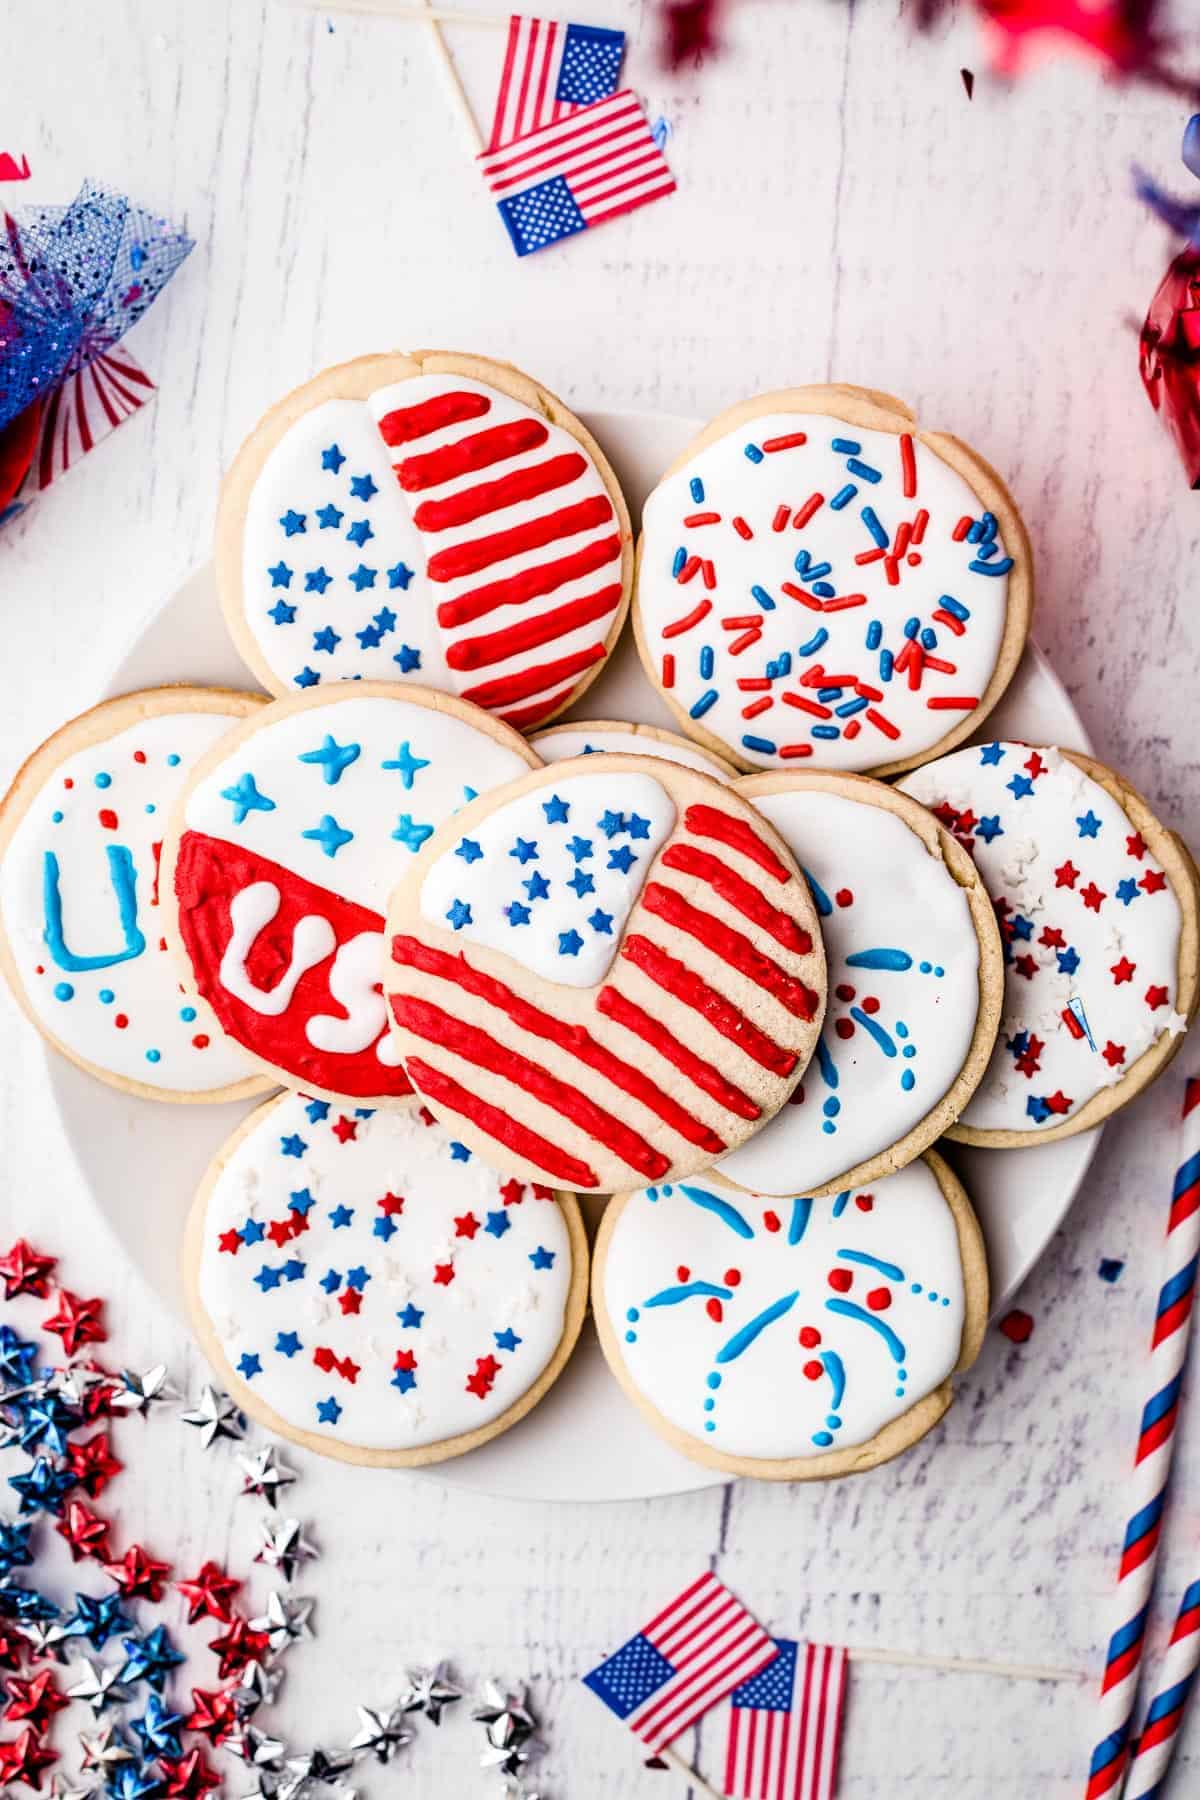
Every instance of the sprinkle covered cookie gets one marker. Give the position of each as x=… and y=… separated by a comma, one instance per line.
x=792, y=1338
x=916, y=983
x=818, y=581
x=365, y=1286
x=589, y=737
x=282, y=851
x=1096, y=904
x=82, y=941
x=437, y=519
x=605, y=970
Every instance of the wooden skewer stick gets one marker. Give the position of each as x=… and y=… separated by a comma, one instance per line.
x=457, y=90
x=689, y=1774
x=965, y=1665
x=404, y=9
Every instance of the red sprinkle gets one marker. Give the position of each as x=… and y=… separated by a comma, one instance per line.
x=841, y=1280
x=908, y=466
x=691, y=567
x=804, y=513
x=881, y=723
x=108, y=818
x=1017, y=1326
x=791, y=750
x=796, y=593
x=782, y=515
x=952, y=702
x=677, y=626
x=744, y=642
x=758, y=706
x=801, y=704
x=961, y=529
x=741, y=527
x=694, y=519
x=668, y=670
x=791, y=441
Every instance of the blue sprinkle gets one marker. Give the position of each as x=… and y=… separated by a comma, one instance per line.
x=845, y=446
x=753, y=453
x=697, y=487
x=990, y=568
x=987, y=551
x=57, y=818
x=822, y=1438
x=990, y=526
x=908, y=1081
x=106, y=996
x=863, y=470
x=886, y=664
x=703, y=703
x=153, y=1056
x=64, y=991
x=954, y=607
x=679, y=560
x=819, y=637
x=851, y=707
x=843, y=497
x=874, y=635
x=102, y=780
x=825, y=731
x=823, y=590
x=929, y=638
x=706, y=663
x=172, y=761
x=975, y=535
x=870, y=519
x=187, y=1014
x=831, y=1107
x=763, y=745
x=912, y=626
x=764, y=599
x=830, y=693
x=713, y=1381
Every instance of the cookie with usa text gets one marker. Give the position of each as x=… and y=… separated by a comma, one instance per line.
x=81, y=924
x=365, y=1286
x=819, y=581
x=792, y=1338
x=280, y=855
x=1097, y=906
x=591, y=737
x=436, y=518
x=916, y=984
x=611, y=966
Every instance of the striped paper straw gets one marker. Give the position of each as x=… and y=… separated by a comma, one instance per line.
x=1174, y=1680
x=1152, y=1464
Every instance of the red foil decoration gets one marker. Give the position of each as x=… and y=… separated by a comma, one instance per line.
x=1170, y=357
x=18, y=441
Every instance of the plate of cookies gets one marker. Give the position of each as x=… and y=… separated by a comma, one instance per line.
x=591, y=954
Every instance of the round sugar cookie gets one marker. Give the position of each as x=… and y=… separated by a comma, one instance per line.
x=605, y=970
x=81, y=928
x=792, y=1339
x=280, y=856
x=1098, y=913
x=585, y=737
x=366, y=1287
x=819, y=581
x=436, y=518
x=916, y=983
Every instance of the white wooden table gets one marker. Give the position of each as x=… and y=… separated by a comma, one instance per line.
x=844, y=212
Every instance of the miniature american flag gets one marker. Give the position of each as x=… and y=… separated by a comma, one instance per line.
x=785, y=1725
x=686, y=1659
x=551, y=70
x=569, y=176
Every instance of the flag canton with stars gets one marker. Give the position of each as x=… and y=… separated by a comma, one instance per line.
x=772, y=1689
x=630, y=1676
x=591, y=64
x=541, y=215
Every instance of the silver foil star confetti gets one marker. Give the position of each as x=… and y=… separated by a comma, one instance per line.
x=257, y=1685
x=142, y=1390
x=285, y=1621
x=215, y=1416
x=99, y=1687
x=265, y=1474
x=104, y=1750
x=509, y=1728
x=284, y=1546
x=257, y=1749
x=428, y=1691
x=380, y=1734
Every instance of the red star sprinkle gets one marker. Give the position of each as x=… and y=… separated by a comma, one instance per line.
x=76, y=1321
x=345, y=1129
x=1027, y=1063
x=1017, y=1326
x=26, y=1271
x=467, y=1226
x=187, y=1777
x=542, y=1193
x=324, y=1358
x=350, y=1300
x=1136, y=846
x=37, y=1700
x=349, y=1370
x=1058, y=1103
x=512, y=1193
x=1066, y=875
x=238, y=1646
x=1053, y=938
x=425, y=1116
x=1035, y=765
x=1153, y=881
x=1122, y=971
x=1113, y=1054
x=229, y=1243
x=443, y=1274
x=1026, y=966
x=138, y=1576
x=1156, y=997
x=967, y=821
x=85, y=1532
x=391, y=1203
x=484, y=1374
x=1092, y=897
x=209, y=1594
x=280, y=1232
x=24, y=1758
x=92, y=1463
x=405, y=1359
x=212, y=1715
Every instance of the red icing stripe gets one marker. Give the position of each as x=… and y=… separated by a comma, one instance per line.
x=476, y=1046
x=709, y=821
x=676, y=979
x=504, y=689
x=531, y=584
x=410, y=952
x=733, y=947
x=494, y=646
x=491, y=496
x=478, y=450
x=443, y=1090
x=623, y=1011
x=457, y=560
x=408, y=423
x=522, y=717
x=738, y=893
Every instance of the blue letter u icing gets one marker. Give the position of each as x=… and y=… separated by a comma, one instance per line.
x=123, y=877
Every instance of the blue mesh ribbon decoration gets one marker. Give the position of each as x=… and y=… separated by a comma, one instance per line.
x=73, y=279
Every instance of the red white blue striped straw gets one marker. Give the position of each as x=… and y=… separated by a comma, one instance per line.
x=1173, y=1684
x=1152, y=1463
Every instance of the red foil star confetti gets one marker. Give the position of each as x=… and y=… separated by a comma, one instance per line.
x=238, y=1646
x=76, y=1321
x=209, y=1594
x=85, y=1531
x=24, y=1270
x=24, y=1758
x=36, y=1699
x=187, y=1777
x=93, y=1464
x=1169, y=346
x=212, y=1715
x=138, y=1576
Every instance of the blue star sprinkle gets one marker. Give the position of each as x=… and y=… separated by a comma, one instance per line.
x=98, y=1620
x=989, y=828
x=507, y=1339
x=281, y=575
x=1020, y=786
x=557, y=811
x=340, y=1216
x=525, y=850
x=307, y=678
x=15, y=1551
x=331, y=1281
x=292, y=522
x=580, y=848
x=268, y=1279
x=582, y=883
x=281, y=613
x=370, y=637
x=245, y=799
x=362, y=577
x=360, y=533
x=405, y=1380
x=497, y=1224
x=253, y=1232
x=158, y=1729
x=536, y=886
x=517, y=913
x=301, y=1202
x=407, y=764
x=383, y=1227
x=357, y=1278
x=329, y=834
x=1128, y=891
x=317, y=580
x=249, y=1365
x=469, y=850
x=622, y=859
x=294, y=1269
x=399, y=575
x=328, y=517
x=601, y=922
x=611, y=823
x=332, y=459
x=362, y=487
x=1037, y=1109
x=408, y=659
x=293, y=1145
x=1021, y=927
x=990, y=754
x=459, y=1152
x=459, y=914
x=409, y=833
x=287, y=1343
x=129, y=1782
x=1068, y=960
x=541, y=1258
x=385, y=618
x=328, y=1411
x=411, y=1317
x=637, y=827
x=1089, y=824
x=569, y=943
x=326, y=639
x=317, y=1110
x=332, y=758
x=42, y=1487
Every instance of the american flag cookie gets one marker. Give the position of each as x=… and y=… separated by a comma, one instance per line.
x=609, y=969
x=787, y=1337
x=281, y=852
x=590, y=737
x=366, y=1287
x=916, y=984
x=436, y=518
x=1097, y=907
x=81, y=920
x=819, y=582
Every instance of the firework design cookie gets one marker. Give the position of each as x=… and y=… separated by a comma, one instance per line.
x=588, y=737
x=435, y=518
x=281, y=854
x=82, y=941
x=363, y=1285
x=1097, y=909
x=792, y=1338
x=602, y=970
x=916, y=982
x=820, y=581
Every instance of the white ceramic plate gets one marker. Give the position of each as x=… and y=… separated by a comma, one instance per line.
x=143, y=1160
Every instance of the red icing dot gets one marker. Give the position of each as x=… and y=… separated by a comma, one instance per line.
x=40, y=970
x=683, y=1273
x=879, y=1299
x=68, y=782
x=713, y=1309
x=139, y=756
x=870, y=1003
x=864, y=1202
x=121, y=1021
x=841, y=1279
x=108, y=818
x=844, y=1028
x=813, y=1370
x=914, y=559
x=200, y=1041
x=810, y=1337
x=844, y=897
x=844, y=991
x=771, y=1221
x=732, y=1277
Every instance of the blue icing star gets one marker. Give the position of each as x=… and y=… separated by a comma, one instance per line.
x=249, y=1365
x=287, y=1343
x=385, y=618
x=370, y=637
x=601, y=922
x=459, y=1152
x=580, y=848
x=1068, y=960
x=459, y=914
x=622, y=859
x=525, y=850
x=253, y=1232
x=326, y=639
x=328, y=1411
x=557, y=811
x=1037, y=1109
x=328, y=517
x=541, y=1258
x=359, y=533
x=408, y=659
x=329, y=834
x=294, y=1269
x=301, y=1202
x=1089, y=824
x=399, y=575
x=383, y=1227
x=582, y=883
x=497, y=1224
x=317, y=580
x=294, y=1145
x=536, y=886
x=1128, y=890
x=245, y=799
x=1021, y=927
x=357, y=1278
x=332, y=458
x=637, y=827
x=362, y=487
x=281, y=613
x=411, y=1317
x=405, y=1380
x=989, y=828
x=307, y=678
x=340, y=1216
x=317, y=1110
x=507, y=1339
x=331, y=1281
x=362, y=577
x=569, y=943
x=281, y=575
x=407, y=764
x=268, y=1278
x=991, y=753
x=409, y=833
x=1020, y=786
x=332, y=758
x=292, y=522
x=469, y=850
x=611, y=823
x=517, y=913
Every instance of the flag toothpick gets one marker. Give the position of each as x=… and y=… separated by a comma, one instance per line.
x=458, y=92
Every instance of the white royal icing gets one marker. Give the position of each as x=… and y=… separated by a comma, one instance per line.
x=561, y=742
x=714, y=602
x=79, y=886
x=903, y=963
x=551, y=877
x=1089, y=920
x=359, y=1270
x=772, y=1329
x=345, y=566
